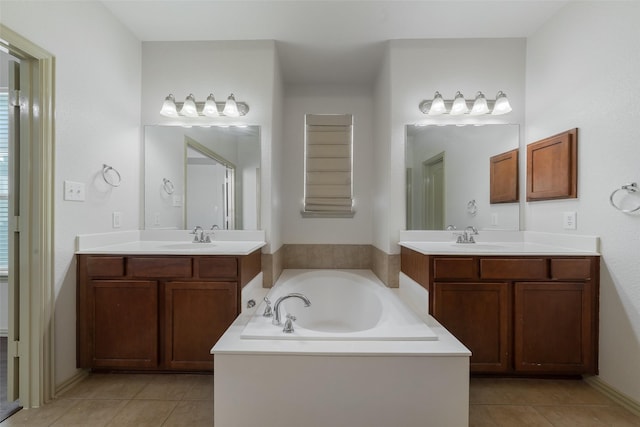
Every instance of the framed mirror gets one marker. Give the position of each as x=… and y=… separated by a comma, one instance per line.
x=206, y=176
x=448, y=177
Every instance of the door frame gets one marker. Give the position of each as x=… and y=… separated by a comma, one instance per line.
x=428, y=205
x=37, y=297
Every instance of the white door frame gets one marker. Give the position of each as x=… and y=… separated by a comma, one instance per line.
x=35, y=348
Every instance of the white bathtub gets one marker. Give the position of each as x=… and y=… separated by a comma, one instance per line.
x=345, y=305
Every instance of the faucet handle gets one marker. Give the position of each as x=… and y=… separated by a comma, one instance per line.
x=267, y=310
x=288, y=325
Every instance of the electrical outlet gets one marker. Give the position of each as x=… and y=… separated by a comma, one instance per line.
x=569, y=220
x=156, y=218
x=494, y=219
x=74, y=191
x=116, y=219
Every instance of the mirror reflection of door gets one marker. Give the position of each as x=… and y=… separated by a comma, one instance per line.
x=433, y=180
x=210, y=195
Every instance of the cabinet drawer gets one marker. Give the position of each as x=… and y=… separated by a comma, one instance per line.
x=160, y=267
x=105, y=266
x=513, y=268
x=454, y=268
x=566, y=268
x=218, y=267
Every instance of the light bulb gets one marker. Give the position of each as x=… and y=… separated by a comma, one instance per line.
x=230, y=107
x=169, y=107
x=479, y=105
x=502, y=105
x=459, y=105
x=210, y=108
x=189, y=107
x=437, y=105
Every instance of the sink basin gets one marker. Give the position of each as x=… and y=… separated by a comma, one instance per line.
x=477, y=246
x=188, y=245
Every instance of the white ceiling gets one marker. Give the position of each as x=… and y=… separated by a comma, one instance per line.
x=330, y=41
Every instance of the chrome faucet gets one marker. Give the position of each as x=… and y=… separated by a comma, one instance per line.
x=467, y=235
x=276, y=306
x=199, y=235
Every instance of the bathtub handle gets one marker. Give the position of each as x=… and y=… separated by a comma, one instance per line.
x=267, y=310
x=288, y=325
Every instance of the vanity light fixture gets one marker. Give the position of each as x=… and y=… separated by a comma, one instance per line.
x=211, y=108
x=460, y=106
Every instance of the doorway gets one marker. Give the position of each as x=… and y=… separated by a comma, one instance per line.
x=29, y=220
x=433, y=181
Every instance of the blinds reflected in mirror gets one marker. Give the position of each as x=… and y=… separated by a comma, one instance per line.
x=328, y=188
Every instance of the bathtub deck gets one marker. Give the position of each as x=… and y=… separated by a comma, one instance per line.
x=343, y=383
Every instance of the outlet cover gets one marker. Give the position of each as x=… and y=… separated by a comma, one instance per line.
x=569, y=220
x=116, y=219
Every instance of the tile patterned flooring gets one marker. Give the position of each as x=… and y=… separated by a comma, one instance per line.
x=141, y=400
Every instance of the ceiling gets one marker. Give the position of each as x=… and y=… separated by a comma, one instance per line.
x=330, y=41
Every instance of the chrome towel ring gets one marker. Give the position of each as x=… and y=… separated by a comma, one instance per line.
x=111, y=176
x=630, y=188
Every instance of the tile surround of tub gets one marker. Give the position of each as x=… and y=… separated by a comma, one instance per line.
x=326, y=256
x=272, y=267
x=386, y=267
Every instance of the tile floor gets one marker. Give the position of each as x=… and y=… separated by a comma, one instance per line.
x=187, y=400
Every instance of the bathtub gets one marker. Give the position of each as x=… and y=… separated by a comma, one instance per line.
x=341, y=369
x=346, y=305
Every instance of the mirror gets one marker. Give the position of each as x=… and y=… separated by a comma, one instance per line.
x=448, y=177
x=206, y=176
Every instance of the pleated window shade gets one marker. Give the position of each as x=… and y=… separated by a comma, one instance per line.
x=328, y=188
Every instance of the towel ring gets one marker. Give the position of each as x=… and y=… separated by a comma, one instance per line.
x=630, y=188
x=114, y=179
x=472, y=207
x=167, y=186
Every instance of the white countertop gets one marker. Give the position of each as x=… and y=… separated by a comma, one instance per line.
x=169, y=242
x=501, y=243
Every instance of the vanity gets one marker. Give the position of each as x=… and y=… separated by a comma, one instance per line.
x=526, y=306
x=158, y=303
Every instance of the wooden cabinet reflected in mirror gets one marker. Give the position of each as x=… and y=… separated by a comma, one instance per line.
x=504, y=178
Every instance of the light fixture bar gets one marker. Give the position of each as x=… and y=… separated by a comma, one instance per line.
x=497, y=106
x=169, y=111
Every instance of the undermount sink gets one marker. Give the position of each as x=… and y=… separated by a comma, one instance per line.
x=192, y=245
x=477, y=246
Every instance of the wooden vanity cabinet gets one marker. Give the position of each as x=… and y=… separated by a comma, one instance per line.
x=528, y=315
x=139, y=312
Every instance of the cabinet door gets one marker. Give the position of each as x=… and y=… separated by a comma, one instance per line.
x=478, y=314
x=124, y=324
x=553, y=327
x=196, y=314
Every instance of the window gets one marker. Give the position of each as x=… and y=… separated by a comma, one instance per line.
x=328, y=189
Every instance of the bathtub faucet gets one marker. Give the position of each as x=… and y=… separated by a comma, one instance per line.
x=276, y=306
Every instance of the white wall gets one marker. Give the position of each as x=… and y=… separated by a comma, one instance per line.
x=582, y=71
x=97, y=113
x=418, y=68
x=246, y=68
x=327, y=100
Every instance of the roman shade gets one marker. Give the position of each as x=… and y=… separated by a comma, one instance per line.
x=328, y=172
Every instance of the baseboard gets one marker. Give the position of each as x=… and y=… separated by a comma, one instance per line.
x=613, y=394
x=71, y=382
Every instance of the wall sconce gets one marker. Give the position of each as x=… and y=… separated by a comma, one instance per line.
x=459, y=105
x=210, y=108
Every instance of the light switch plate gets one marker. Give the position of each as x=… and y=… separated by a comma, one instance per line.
x=569, y=220
x=74, y=191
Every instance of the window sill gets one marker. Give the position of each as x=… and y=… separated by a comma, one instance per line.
x=327, y=214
